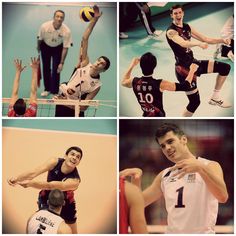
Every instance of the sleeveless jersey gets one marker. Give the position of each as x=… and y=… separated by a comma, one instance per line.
x=44, y=222
x=56, y=175
x=81, y=83
x=149, y=96
x=124, y=212
x=183, y=56
x=190, y=205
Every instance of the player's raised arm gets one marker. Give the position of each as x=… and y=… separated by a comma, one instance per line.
x=127, y=79
x=33, y=92
x=16, y=84
x=83, y=57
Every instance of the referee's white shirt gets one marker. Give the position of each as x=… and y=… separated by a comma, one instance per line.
x=54, y=37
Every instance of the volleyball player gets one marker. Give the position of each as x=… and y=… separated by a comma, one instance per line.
x=49, y=221
x=192, y=188
x=17, y=106
x=85, y=81
x=149, y=91
x=131, y=211
x=179, y=36
x=62, y=175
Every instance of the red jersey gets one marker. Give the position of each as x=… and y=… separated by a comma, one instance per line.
x=31, y=111
x=123, y=221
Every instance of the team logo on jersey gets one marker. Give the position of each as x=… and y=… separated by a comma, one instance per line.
x=191, y=178
x=56, y=172
x=173, y=179
x=150, y=88
x=138, y=87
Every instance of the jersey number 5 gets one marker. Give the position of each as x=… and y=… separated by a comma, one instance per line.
x=41, y=227
x=180, y=192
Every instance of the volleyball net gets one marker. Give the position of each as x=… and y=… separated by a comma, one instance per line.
x=47, y=107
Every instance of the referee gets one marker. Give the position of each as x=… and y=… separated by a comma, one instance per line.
x=54, y=39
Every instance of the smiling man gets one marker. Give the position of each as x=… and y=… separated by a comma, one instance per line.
x=179, y=37
x=192, y=188
x=62, y=175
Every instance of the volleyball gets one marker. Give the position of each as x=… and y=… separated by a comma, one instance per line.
x=86, y=14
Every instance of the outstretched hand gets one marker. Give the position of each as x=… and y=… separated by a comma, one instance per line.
x=97, y=13
x=18, y=65
x=35, y=63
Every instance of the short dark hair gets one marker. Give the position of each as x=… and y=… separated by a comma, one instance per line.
x=167, y=127
x=56, y=198
x=106, y=59
x=20, y=107
x=60, y=12
x=77, y=149
x=147, y=63
x=176, y=7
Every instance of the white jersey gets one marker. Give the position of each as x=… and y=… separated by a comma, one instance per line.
x=54, y=37
x=81, y=83
x=44, y=222
x=190, y=206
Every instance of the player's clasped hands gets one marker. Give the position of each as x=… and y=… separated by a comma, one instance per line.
x=12, y=181
x=186, y=166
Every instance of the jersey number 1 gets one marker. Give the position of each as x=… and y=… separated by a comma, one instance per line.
x=180, y=198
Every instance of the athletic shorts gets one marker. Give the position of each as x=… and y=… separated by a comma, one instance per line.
x=181, y=72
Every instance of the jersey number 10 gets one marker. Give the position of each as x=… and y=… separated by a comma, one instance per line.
x=145, y=98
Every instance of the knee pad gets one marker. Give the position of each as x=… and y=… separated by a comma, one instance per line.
x=194, y=102
x=221, y=68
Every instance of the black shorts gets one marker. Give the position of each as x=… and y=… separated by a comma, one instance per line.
x=68, y=212
x=181, y=72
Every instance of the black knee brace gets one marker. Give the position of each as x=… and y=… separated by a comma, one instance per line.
x=194, y=102
x=221, y=68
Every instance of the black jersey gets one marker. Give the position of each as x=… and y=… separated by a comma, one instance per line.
x=183, y=56
x=149, y=96
x=68, y=212
x=56, y=175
